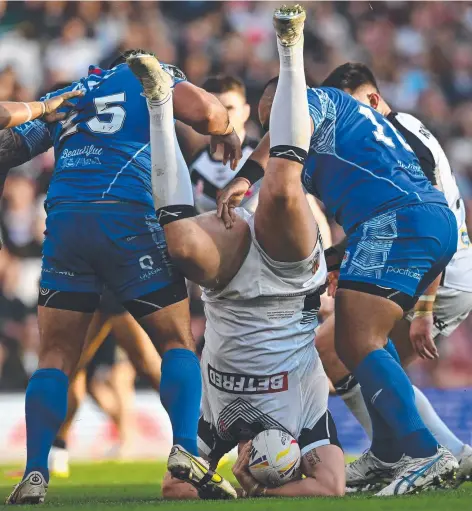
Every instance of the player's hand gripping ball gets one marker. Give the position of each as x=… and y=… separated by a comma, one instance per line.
x=275, y=458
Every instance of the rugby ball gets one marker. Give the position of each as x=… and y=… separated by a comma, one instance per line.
x=275, y=458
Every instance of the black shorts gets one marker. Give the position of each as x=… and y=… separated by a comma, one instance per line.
x=212, y=447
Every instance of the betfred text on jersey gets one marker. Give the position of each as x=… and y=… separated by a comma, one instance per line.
x=246, y=384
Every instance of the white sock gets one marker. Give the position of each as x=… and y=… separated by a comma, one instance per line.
x=355, y=402
x=440, y=431
x=171, y=183
x=290, y=119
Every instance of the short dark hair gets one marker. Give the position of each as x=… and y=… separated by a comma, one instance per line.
x=272, y=81
x=350, y=75
x=218, y=84
x=275, y=80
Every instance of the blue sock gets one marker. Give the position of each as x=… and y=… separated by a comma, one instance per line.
x=387, y=388
x=390, y=347
x=181, y=393
x=46, y=408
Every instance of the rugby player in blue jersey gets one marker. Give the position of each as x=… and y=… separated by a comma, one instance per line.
x=400, y=236
x=102, y=229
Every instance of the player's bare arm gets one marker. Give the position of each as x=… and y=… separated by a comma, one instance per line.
x=15, y=113
x=320, y=466
x=208, y=117
x=12, y=153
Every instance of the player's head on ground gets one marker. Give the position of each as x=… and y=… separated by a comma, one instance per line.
x=231, y=91
x=358, y=80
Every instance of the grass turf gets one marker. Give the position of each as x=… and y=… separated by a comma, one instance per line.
x=135, y=486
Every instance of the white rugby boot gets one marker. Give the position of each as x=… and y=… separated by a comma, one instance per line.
x=59, y=463
x=186, y=467
x=413, y=475
x=465, y=465
x=368, y=473
x=32, y=490
x=156, y=82
x=289, y=23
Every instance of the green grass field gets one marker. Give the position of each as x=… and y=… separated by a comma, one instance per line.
x=135, y=486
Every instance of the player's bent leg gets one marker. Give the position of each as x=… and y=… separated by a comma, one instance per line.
x=387, y=391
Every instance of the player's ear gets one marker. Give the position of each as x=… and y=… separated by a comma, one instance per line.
x=374, y=100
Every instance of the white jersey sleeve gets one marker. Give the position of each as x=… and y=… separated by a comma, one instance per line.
x=434, y=162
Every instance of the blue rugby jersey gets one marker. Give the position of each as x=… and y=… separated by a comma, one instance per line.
x=358, y=164
x=102, y=149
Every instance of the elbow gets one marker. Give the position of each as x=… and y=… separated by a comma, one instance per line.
x=336, y=489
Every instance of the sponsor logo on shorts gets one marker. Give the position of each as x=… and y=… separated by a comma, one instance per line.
x=406, y=272
x=247, y=384
x=43, y=291
x=439, y=323
x=58, y=272
x=146, y=262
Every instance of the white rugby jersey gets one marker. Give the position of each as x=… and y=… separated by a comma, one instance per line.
x=267, y=314
x=434, y=162
x=210, y=175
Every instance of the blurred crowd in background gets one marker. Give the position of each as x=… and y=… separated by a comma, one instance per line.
x=421, y=53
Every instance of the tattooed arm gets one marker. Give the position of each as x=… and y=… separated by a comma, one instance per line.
x=323, y=468
x=21, y=144
x=12, y=153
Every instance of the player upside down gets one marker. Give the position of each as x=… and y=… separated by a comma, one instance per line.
x=261, y=282
x=400, y=237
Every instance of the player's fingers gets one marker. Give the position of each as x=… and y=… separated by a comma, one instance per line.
x=226, y=154
x=226, y=217
x=232, y=213
x=213, y=145
x=229, y=218
x=71, y=94
x=237, y=158
x=431, y=347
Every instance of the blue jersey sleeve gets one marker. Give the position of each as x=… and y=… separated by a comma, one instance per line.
x=318, y=106
x=36, y=137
